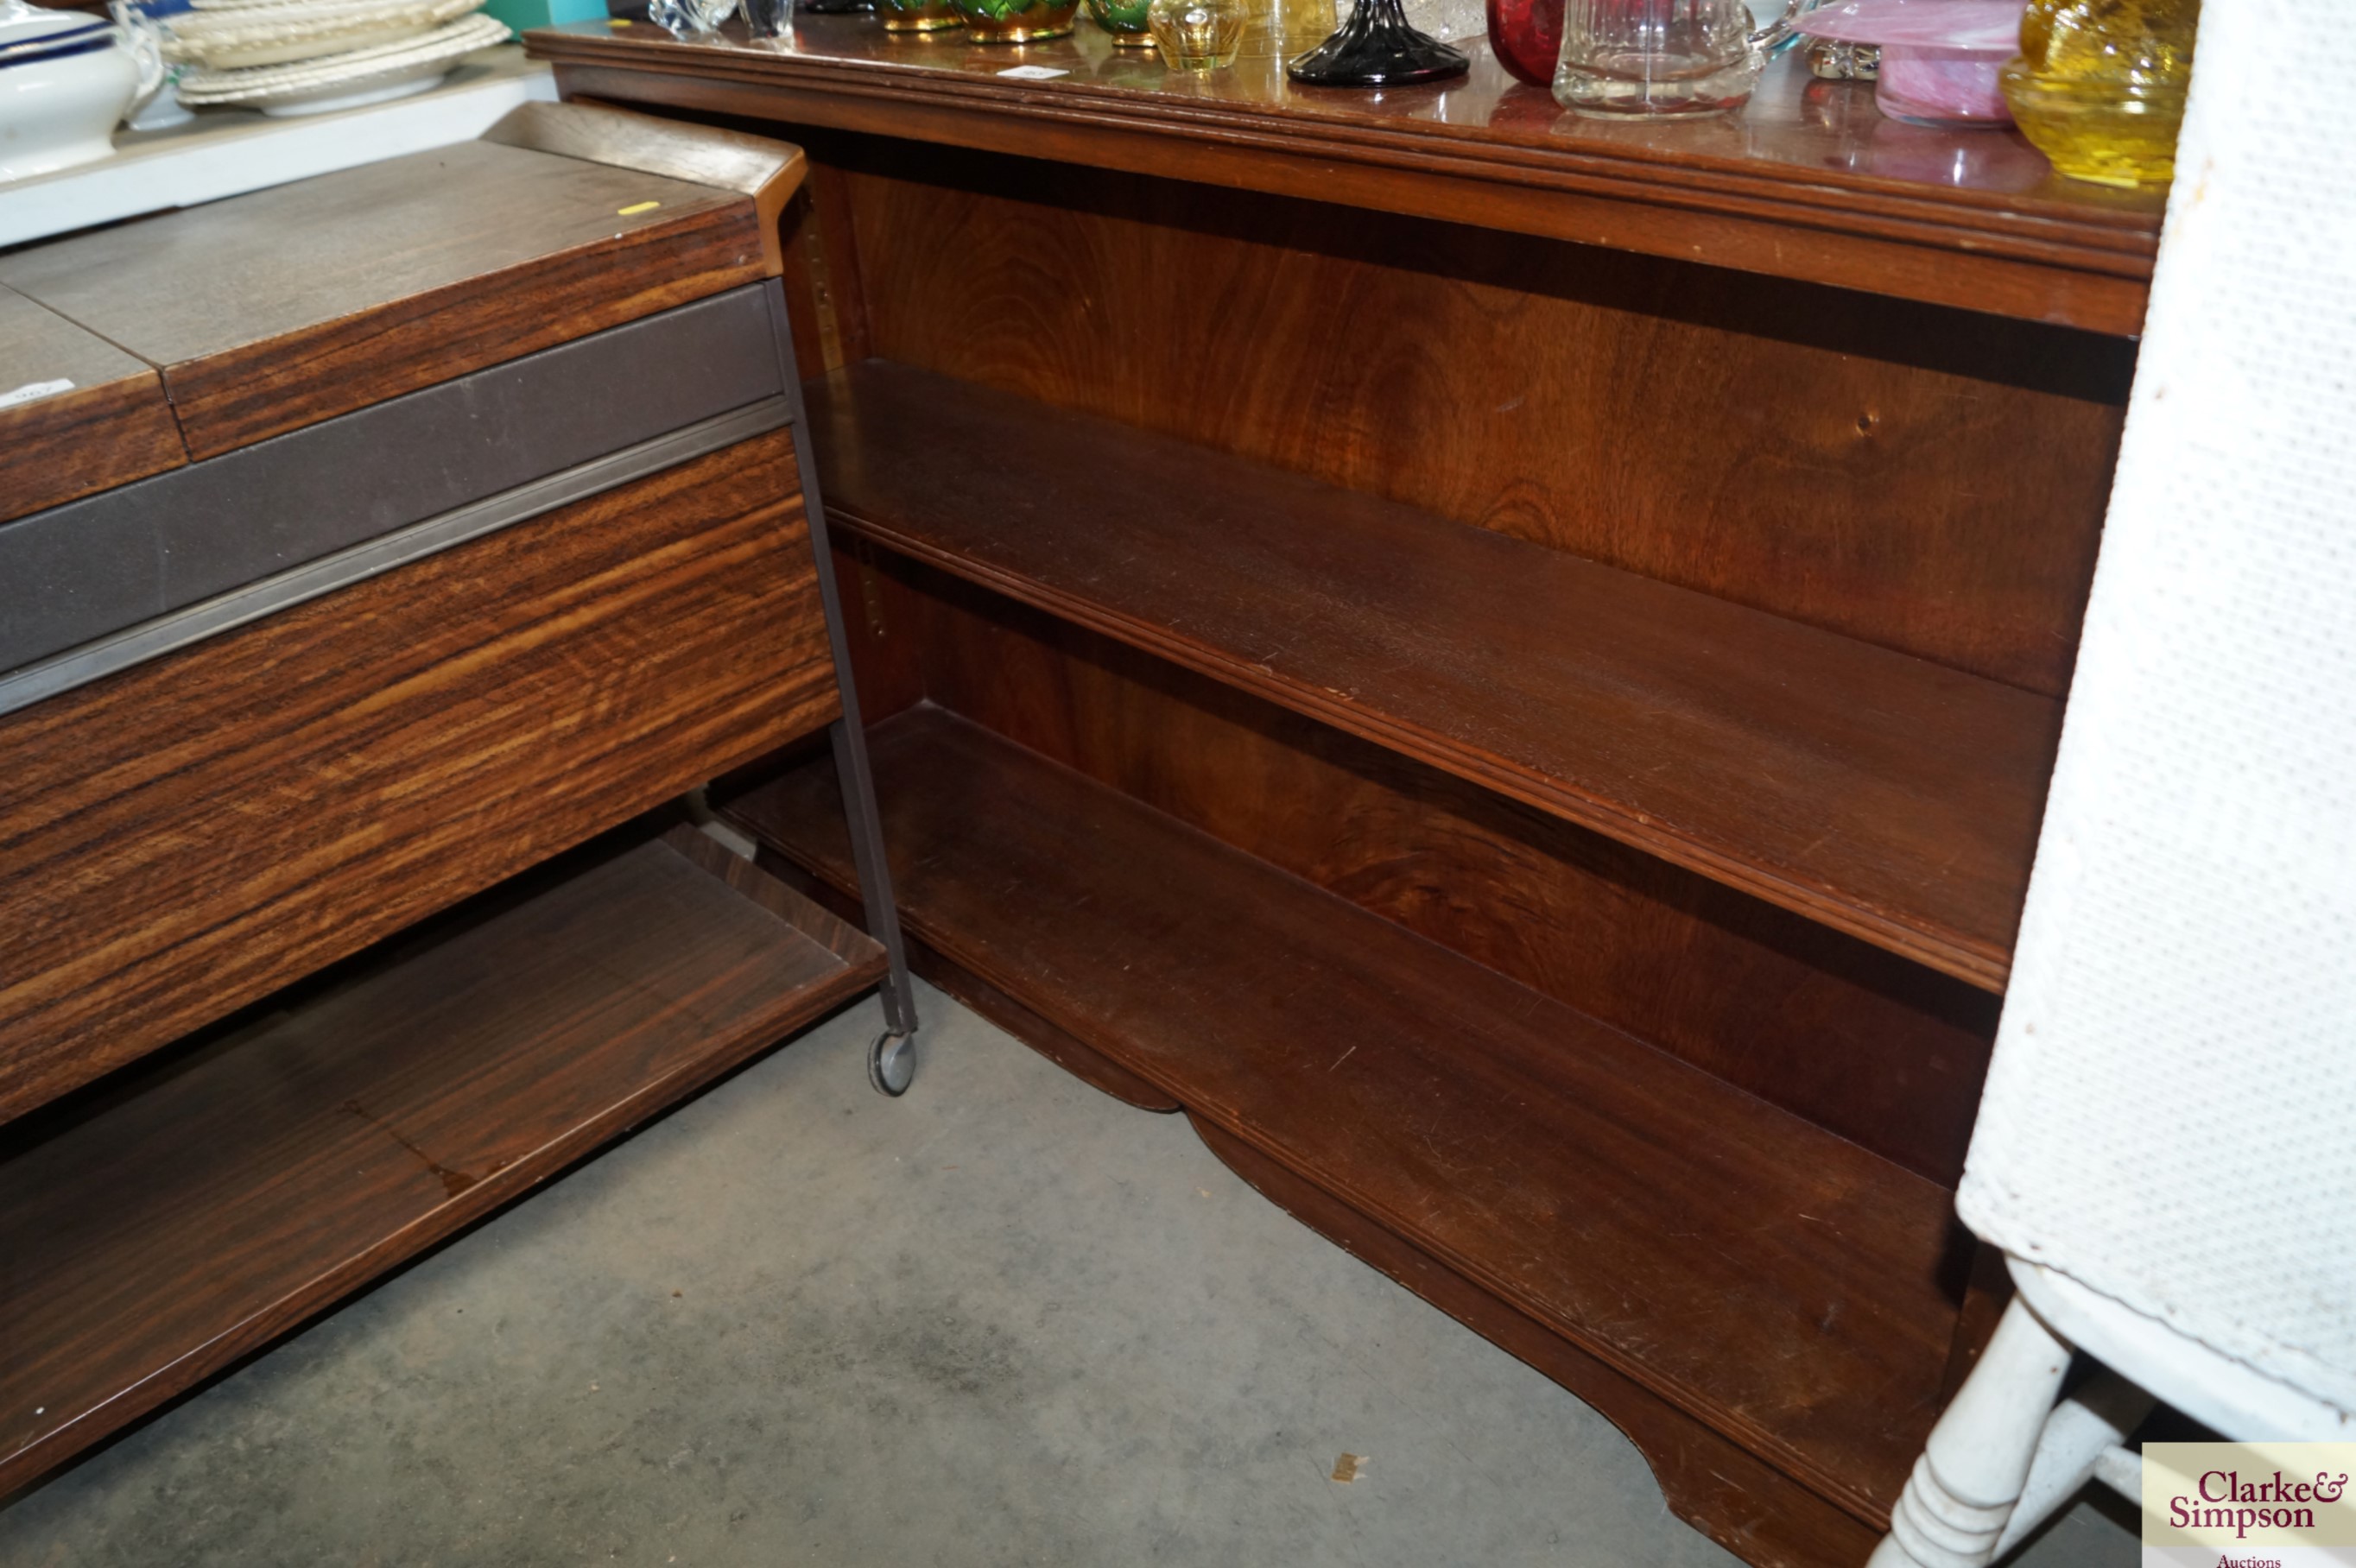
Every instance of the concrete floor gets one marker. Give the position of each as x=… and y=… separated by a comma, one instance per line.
x=1004, y=1320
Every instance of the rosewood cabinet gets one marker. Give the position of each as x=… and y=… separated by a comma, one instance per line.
x=1506, y=665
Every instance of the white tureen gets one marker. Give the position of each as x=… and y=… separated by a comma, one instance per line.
x=67, y=79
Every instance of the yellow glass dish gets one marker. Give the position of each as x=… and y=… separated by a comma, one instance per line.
x=2099, y=86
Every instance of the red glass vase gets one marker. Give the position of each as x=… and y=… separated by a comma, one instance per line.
x=1526, y=36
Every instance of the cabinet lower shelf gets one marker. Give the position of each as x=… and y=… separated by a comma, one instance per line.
x=1778, y=1289
x=1881, y=795
x=189, y=1213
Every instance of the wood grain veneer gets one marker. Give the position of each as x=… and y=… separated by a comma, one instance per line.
x=1884, y=796
x=112, y=427
x=1777, y=1284
x=290, y=305
x=1858, y=1040
x=1808, y=182
x=154, y=1233
x=1928, y=480
x=186, y=836
x=768, y=171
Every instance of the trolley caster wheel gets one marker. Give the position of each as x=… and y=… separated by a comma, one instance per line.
x=891, y=1063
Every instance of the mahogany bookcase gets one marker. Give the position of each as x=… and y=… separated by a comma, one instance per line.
x=1506, y=664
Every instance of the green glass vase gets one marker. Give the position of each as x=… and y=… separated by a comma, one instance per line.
x=1017, y=21
x=1123, y=21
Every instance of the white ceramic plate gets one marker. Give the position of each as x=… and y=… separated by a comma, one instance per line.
x=345, y=80
x=235, y=38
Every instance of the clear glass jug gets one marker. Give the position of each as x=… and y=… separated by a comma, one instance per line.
x=1664, y=56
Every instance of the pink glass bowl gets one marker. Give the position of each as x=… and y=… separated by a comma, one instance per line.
x=1941, y=59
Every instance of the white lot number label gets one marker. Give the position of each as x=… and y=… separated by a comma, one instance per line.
x=34, y=391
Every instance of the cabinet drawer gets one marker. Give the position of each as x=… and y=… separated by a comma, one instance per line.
x=183, y=837
x=77, y=577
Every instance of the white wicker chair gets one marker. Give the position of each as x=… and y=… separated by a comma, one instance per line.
x=2167, y=1146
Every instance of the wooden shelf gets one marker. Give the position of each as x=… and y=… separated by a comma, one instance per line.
x=1809, y=181
x=1772, y=1281
x=177, y=1219
x=1881, y=795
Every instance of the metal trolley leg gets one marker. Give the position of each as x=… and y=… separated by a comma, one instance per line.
x=891, y=1059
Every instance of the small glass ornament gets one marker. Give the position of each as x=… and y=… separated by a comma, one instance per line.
x=1124, y=22
x=690, y=19
x=768, y=21
x=1197, y=35
x=1297, y=24
x=1830, y=60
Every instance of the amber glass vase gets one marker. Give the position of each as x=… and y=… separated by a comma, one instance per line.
x=1017, y=21
x=917, y=16
x=2099, y=86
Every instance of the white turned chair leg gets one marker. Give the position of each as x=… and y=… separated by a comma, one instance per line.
x=2080, y=1434
x=1964, y=1488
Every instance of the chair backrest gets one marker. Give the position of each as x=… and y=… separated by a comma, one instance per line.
x=2170, y=1115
